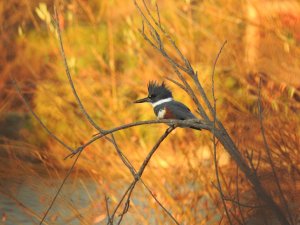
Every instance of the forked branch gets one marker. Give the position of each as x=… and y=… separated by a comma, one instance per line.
x=182, y=67
x=223, y=135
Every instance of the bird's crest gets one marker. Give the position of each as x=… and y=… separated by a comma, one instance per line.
x=155, y=88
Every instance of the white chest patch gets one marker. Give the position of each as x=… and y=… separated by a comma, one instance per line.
x=161, y=102
x=161, y=114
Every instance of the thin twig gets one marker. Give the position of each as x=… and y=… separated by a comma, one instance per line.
x=60, y=188
x=214, y=136
x=160, y=204
x=187, y=69
x=235, y=217
x=223, y=136
x=140, y=173
x=177, y=83
x=123, y=157
x=17, y=203
x=51, y=134
x=133, y=172
x=157, y=12
x=238, y=196
x=120, y=202
x=200, y=88
x=243, y=204
x=107, y=211
x=62, y=51
x=237, y=202
x=102, y=131
x=269, y=154
x=193, y=123
x=127, y=203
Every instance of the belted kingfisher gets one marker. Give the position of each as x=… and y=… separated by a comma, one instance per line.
x=164, y=106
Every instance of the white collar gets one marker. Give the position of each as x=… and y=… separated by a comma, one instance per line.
x=161, y=102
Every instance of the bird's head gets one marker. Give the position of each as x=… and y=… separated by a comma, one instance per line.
x=156, y=93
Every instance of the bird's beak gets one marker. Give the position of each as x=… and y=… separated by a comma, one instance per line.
x=142, y=100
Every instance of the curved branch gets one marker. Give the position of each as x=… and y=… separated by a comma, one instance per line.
x=269, y=154
x=51, y=134
x=223, y=135
x=192, y=123
x=140, y=172
x=134, y=173
x=214, y=136
x=59, y=189
x=62, y=51
x=176, y=66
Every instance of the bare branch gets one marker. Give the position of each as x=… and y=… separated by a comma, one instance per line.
x=60, y=188
x=62, y=51
x=214, y=136
x=157, y=12
x=140, y=173
x=268, y=151
x=187, y=69
x=238, y=195
x=102, y=131
x=51, y=134
x=120, y=202
x=133, y=172
x=160, y=204
x=192, y=123
x=243, y=204
x=217, y=128
x=148, y=157
x=25, y=209
x=237, y=202
x=223, y=136
x=107, y=211
x=178, y=84
x=151, y=27
x=127, y=203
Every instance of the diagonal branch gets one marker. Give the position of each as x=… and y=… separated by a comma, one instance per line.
x=139, y=175
x=218, y=131
x=188, y=68
x=269, y=154
x=134, y=174
x=50, y=133
x=223, y=135
x=214, y=136
x=177, y=67
x=191, y=123
x=59, y=189
x=109, y=221
x=62, y=51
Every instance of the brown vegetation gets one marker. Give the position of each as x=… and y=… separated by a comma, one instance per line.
x=111, y=64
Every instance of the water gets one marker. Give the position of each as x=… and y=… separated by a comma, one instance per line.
x=25, y=202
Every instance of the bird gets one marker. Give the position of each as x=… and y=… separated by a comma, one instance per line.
x=164, y=106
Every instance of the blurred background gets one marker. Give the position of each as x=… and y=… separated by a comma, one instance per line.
x=111, y=65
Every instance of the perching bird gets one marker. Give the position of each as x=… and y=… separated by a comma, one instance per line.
x=164, y=106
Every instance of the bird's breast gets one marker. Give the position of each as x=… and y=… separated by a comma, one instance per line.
x=165, y=113
x=161, y=113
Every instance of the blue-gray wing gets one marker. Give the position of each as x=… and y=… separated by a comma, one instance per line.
x=180, y=111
